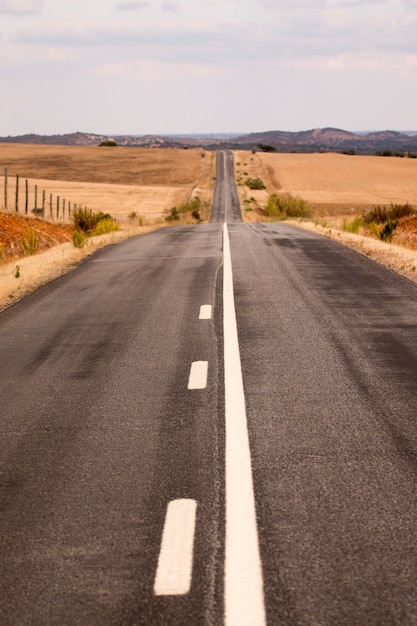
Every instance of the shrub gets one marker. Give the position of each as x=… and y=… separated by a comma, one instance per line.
x=78, y=239
x=173, y=214
x=388, y=230
x=266, y=148
x=104, y=226
x=380, y=214
x=255, y=183
x=353, y=226
x=29, y=242
x=110, y=143
x=192, y=207
x=286, y=205
x=85, y=220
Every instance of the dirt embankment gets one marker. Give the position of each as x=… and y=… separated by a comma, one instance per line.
x=21, y=236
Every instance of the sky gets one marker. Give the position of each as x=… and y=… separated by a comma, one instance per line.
x=206, y=66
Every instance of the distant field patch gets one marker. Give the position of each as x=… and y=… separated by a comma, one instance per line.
x=332, y=179
x=120, y=181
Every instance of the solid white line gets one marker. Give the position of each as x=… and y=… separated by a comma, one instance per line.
x=205, y=312
x=174, y=573
x=244, y=597
x=198, y=375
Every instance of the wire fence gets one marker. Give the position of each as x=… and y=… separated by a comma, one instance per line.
x=21, y=196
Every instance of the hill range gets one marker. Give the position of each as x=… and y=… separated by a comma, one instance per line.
x=316, y=140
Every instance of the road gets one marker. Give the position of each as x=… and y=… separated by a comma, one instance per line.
x=211, y=424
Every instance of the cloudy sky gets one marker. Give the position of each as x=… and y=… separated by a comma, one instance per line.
x=186, y=66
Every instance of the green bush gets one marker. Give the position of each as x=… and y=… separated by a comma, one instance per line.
x=388, y=230
x=78, y=239
x=190, y=206
x=255, y=183
x=353, y=226
x=105, y=226
x=286, y=205
x=85, y=220
x=380, y=214
x=173, y=214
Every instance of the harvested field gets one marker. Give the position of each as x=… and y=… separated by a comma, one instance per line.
x=336, y=184
x=147, y=181
x=337, y=179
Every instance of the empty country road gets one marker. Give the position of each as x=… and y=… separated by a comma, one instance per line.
x=211, y=424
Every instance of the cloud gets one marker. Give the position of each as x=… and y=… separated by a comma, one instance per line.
x=21, y=7
x=170, y=6
x=132, y=5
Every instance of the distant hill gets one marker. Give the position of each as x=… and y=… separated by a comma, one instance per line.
x=315, y=140
x=331, y=139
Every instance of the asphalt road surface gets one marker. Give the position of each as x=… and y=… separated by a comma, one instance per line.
x=211, y=424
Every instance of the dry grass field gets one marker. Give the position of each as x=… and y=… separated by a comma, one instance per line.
x=335, y=184
x=119, y=181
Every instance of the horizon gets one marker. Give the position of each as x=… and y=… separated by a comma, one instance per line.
x=215, y=134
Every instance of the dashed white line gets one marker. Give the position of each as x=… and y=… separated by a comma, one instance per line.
x=244, y=597
x=198, y=375
x=205, y=312
x=175, y=564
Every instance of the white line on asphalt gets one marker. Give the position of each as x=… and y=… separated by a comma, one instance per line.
x=205, y=312
x=244, y=597
x=198, y=375
x=175, y=564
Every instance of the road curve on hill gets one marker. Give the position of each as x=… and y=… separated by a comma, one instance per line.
x=211, y=424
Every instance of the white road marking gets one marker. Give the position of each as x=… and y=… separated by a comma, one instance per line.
x=175, y=564
x=205, y=312
x=244, y=597
x=198, y=375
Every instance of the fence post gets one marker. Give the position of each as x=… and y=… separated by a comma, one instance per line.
x=26, y=196
x=17, y=194
x=36, y=198
x=43, y=203
x=57, y=207
x=5, y=188
x=50, y=206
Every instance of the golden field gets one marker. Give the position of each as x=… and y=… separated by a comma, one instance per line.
x=119, y=181
x=333, y=183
